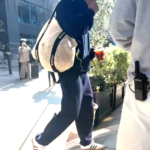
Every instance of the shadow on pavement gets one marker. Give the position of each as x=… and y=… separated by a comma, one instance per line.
x=8, y=82
x=15, y=85
x=52, y=95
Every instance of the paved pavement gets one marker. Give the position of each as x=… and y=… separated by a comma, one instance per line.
x=27, y=106
x=22, y=103
x=8, y=80
x=14, y=63
x=105, y=133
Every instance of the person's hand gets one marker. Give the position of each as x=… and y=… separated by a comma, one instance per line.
x=103, y=55
x=25, y=45
x=100, y=54
x=92, y=54
x=93, y=5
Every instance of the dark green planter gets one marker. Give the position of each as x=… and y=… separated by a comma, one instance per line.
x=118, y=95
x=103, y=100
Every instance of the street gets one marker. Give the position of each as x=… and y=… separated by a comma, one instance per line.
x=22, y=104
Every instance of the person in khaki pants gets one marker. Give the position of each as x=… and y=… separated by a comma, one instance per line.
x=24, y=51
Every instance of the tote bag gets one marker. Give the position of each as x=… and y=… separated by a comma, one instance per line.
x=54, y=49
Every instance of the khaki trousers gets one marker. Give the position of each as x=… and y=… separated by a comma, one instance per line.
x=24, y=66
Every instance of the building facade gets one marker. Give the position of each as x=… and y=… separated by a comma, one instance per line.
x=23, y=20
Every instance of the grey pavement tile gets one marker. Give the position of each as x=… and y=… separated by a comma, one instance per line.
x=111, y=140
x=72, y=146
x=114, y=126
x=100, y=138
x=105, y=123
x=116, y=115
x=119, y=109
x=109, y=148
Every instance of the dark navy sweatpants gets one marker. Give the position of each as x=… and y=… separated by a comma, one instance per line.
x=53, y=76
x=77, y=104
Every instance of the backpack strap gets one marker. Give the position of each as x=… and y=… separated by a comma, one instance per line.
x=37, y=45
x=56, y=43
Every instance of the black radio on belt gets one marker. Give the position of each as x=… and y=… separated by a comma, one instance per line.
x=141, y=83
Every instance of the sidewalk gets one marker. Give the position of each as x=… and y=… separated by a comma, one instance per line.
x=105, y=133
x=22, y=104
x=32, y=108
x=14, y=63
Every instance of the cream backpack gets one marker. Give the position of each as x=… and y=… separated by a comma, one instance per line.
x=54, y=49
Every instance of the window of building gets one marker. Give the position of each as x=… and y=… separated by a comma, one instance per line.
x=34, y=19
x=40, y=14
x=23, y=9
x=19, y=14
x=32, y=14
x=47, y=15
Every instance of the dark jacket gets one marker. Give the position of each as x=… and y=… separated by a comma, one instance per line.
x=76, y=20
x=2, y=47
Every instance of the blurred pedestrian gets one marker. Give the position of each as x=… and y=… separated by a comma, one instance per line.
x=2, y=49
x=24, y=51
x=7, y=55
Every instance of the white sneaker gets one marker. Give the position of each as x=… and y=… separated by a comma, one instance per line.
x=37, y=146
x=93, y=146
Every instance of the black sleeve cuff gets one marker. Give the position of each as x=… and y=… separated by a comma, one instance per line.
x=91, y=12
x=92, y=54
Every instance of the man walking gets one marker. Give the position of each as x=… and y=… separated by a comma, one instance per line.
x=76, y=19
x=2, y=50
x=130, y=29
x=5, y=54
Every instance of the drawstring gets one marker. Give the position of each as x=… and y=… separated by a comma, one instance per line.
x=77, y=55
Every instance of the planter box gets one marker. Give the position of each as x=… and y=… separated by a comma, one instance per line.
x=103, y=100
x=118, y=95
